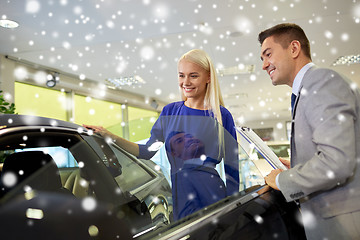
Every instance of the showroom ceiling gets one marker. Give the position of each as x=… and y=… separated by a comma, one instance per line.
x=138, y=42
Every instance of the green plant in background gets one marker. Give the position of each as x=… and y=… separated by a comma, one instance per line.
x=6, y=107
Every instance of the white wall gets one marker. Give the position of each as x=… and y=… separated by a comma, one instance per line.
x=7, y=78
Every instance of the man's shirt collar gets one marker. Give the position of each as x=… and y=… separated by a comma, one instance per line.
x=299, y=77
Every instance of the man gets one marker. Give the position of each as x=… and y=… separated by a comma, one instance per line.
x=185, y=146
x=196, y=184
x=325, y=138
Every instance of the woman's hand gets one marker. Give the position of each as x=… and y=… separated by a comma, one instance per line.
x=97, y=129
x=128, y=146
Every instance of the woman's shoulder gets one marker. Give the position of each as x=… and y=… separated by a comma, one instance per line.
x=172, y=108
x=227, y=117
x=228, y=121
x=225, y=112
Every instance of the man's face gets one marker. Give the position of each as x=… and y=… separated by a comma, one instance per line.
x=277, y=62
x=185, y=146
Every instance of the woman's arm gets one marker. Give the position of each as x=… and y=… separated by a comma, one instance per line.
x=128, y=146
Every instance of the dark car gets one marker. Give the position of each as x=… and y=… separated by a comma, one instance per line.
x=61, y=181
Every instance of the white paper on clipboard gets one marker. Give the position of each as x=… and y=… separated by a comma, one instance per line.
x=261, y=147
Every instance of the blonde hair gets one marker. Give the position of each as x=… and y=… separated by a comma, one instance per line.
x=213, y=98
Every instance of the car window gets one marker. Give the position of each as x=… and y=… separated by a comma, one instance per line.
x=252, y=169
x=62, y=156
x=204, y=168
x=133, y=174
x=127, y=171
x=27, y=157
x=137, y=178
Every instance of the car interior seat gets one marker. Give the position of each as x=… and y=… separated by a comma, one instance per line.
x=36, y=169
x=72, y=180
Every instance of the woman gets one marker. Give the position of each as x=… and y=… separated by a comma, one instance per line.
x=201, y=113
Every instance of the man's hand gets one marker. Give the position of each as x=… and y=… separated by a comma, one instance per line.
x=285, y=162
x=270, y=178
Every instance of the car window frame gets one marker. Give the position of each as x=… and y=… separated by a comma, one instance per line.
x=106, y=194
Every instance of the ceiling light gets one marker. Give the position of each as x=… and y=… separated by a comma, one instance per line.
x=52, y=79
x=204, y=28
x=154, y=104
x=346, y=60
x=124, y=81
x=240, y=69
x=5, y=23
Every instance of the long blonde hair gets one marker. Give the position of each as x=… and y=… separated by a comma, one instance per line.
x=213, y=98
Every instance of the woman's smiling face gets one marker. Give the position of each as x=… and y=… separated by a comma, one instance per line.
x=193, y=80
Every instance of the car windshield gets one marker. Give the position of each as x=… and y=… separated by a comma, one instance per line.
x=178, y=174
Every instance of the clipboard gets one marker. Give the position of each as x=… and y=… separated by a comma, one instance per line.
x=261, y=147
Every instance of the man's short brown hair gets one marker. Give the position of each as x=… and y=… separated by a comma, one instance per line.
x=284, y=34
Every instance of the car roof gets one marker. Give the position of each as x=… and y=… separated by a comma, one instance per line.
x=16, y=120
